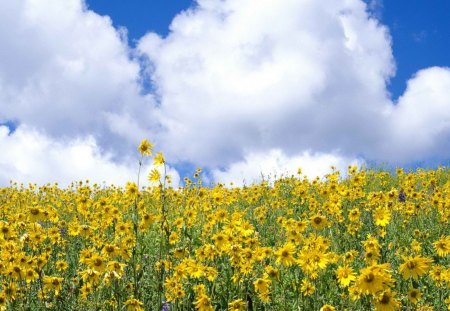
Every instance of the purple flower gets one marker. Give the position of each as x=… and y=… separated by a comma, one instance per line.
x=165, y=306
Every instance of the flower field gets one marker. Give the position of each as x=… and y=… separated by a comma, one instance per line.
x=370, y=241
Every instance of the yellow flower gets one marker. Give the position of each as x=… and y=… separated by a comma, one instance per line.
x=173, y=238
x=145, y=147
x=16, y=271
x=97, y=263
x=386, y=301
x=374, y=279
x=382, y=216
x=414, y=295
x=203, y=303
x=327, y=308
x=442, y=246
x=415, y=267
x=3, y=301
x=159, y=159
x=134, y=305
x=319, y=222
x=237, y=305
x=116, y=268
x=307, y=288
x=345, y=276
x=53, y=283
x=354, y=214
x=154, y=175
x=262, y=285
x=285, y=254
x=61, y=265
x=30, y=275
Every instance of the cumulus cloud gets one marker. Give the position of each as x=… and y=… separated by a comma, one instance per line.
x=32, y=157
x=420, y=121
x=239, y=78
x=240, y=87
x=246, y=76
x=67, y=71
x=275, y=163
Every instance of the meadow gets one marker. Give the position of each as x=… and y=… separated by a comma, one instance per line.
x=372, y=240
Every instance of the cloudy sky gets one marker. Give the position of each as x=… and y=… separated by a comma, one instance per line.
x=241, y=88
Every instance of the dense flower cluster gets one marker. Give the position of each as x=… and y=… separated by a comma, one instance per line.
x=372, y=240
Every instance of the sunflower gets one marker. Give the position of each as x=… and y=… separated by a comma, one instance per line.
x=386, y=301
x=285, y=254
x=145, y=147
x=203, y=303
x=414, y=295
x=374, y=279
x=415, y=267
x=319, y=222
x=345, y=276
x=262, y=285
x=307, y=288
x=3, y=301
x=354, y=215
x=382, y=216
x=442, y=246
x=134, y=305
x=237, y=305
x=328, y=307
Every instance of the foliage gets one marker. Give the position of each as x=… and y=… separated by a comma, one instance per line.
x=372, y=240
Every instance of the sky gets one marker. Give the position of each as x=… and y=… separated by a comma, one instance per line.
x=241, y=88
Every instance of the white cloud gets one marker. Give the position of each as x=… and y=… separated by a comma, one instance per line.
x=34, y=157
x=274, y=163
x=237, y=77
x=420, y=122
x=237, y=82
x=68, y=71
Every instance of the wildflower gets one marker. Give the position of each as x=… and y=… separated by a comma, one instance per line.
x=327, y=307
x=203, y=303
x=272, y=272
x=85, y=290
x=354, y=215
x=16, y=271
x=319, y=222
x=439, y=275
x=134, y=305
x=382, y=216
x=173, y=238
x=415, y=267
x=285, y=254
x=145, y=147
x=345, y=276
x=414, y=295
x=3, y=301
x=52, y=283
x=154, y=175
x=96, y=262
x=159, y=159
x=374, y=279
x=386, y=301
x=237, y=305
x=442, y=246
x=61, y=265
x=307, y=288
x=116, y=268
x=10, y=291
x=30, y=275
x=262, y=285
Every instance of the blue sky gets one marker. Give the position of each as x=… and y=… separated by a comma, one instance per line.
x=420, y=29
x=242, y=88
